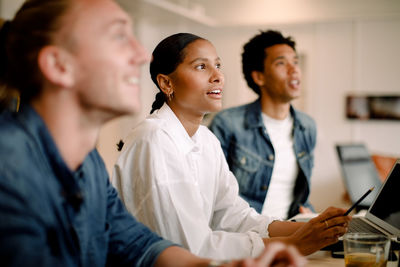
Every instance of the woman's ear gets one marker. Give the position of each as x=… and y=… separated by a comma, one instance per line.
x=165, y=84
x=258, y=77
x=56, y=66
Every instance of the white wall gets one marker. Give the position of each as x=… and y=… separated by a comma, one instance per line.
x=9, y=7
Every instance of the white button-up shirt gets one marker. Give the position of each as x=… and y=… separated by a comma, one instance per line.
x=181, y=187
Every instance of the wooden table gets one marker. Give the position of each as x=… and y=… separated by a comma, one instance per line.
x=324, y=259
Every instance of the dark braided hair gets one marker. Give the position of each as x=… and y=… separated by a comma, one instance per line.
x=167, y=55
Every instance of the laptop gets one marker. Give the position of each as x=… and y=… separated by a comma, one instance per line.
x=384, y=213
x=359, y=173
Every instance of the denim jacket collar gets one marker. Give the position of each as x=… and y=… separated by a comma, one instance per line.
x=253, y=118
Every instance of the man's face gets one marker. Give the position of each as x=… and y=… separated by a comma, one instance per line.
x=107, y=58
x=281, y=76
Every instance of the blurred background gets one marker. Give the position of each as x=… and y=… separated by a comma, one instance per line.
x=346, y=48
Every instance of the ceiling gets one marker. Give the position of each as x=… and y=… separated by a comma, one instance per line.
x=223, y=13
x=231, y=13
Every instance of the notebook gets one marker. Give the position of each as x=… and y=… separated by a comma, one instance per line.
x=384, y=213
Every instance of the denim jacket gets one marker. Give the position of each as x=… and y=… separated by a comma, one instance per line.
x=52, y=216
x=250, y=154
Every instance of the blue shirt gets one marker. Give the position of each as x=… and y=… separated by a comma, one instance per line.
x=250, y=154
x=52, y=216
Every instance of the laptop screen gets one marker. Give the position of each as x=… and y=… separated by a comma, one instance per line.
x=359, y=172
x=387, y=205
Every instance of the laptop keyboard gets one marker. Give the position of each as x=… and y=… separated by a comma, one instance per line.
x=357, y=225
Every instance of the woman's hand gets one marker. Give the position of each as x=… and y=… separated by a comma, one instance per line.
x=320, y=231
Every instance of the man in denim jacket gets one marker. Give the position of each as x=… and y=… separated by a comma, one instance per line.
x=268, y=144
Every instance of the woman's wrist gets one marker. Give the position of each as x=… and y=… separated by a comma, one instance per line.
x=215, y=263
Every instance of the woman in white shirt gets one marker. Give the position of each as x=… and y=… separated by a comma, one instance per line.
x=172, y=174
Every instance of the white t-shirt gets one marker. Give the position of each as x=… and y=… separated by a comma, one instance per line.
x=181, y=188
x=284, y=174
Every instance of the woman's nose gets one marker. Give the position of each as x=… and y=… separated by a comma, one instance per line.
x=217, y=76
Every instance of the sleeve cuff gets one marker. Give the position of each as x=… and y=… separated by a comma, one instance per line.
x=150, y=256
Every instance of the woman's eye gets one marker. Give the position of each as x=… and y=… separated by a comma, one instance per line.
x=201, y=67
x=218, y=66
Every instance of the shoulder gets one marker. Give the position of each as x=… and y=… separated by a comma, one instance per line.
x=305, y=120
x=149, y=129
x=150, y=135
x=233, y=112
x=232, y=118
x=9, y=125
x=308, y=127
x=15, y=142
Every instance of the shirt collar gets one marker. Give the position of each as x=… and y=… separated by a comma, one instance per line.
x=174, y=127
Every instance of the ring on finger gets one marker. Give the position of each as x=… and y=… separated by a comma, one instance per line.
x=326, y=223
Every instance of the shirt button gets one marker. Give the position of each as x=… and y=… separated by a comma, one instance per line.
x=271, y=157
x=263, y=187
x=243, y=160
x=299, y=155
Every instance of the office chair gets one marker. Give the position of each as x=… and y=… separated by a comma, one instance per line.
x=358, y=172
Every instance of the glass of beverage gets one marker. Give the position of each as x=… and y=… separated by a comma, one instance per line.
x=365, y=250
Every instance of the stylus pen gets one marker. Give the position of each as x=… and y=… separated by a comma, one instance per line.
x=358, y=201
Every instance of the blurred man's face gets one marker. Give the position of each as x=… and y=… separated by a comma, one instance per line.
x=107, y=58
